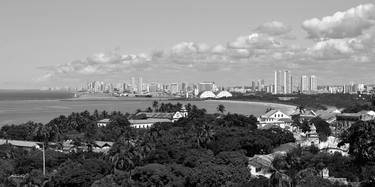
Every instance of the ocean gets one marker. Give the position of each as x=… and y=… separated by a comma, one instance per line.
x=41, y=106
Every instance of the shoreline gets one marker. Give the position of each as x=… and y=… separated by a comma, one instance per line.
x=288, y=107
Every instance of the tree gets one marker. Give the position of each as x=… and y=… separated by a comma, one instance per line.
x=155, y=105
x=361, y=139
x=301, y=108
x=83, y=174
x=322, y=128
x=305, y=126
x=220, y=108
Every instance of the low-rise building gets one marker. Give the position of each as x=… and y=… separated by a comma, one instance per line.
x=103, y=122
x=275, y=118
x=303, y=115
x=261, y=165
x=146, y=123
x=147, y=119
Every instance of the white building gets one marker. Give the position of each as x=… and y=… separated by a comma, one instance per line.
x=103, y=122
x=275, y=118
x=313, y=83
x=207, y=94
x=223, y=94
x=304, y=84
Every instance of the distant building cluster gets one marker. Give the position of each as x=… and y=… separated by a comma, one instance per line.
x=139, y=87
x=283, y=83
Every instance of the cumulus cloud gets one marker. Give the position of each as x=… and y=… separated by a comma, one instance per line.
x=342, y=37
x=273, y=28
x=349, y=23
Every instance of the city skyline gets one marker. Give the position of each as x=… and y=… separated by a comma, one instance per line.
x=189, y=41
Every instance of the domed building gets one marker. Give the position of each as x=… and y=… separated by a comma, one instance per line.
x=207, y=94
x=223, y=94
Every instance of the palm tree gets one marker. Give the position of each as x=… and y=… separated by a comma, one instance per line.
x=301, y=108
x=155, y=105
x=220, y=108
x=204, y=135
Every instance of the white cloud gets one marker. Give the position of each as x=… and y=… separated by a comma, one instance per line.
x=350, y=23
x=273, y=28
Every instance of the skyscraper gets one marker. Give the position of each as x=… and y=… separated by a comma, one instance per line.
x=140, y=85
x=206, y=86
x=133, y=85
x=174, y=88
x=287, y=82
x=313, y=83
x=253, y=87
x=304, y=84
x=278, y=82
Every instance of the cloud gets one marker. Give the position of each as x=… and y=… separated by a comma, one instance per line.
x=273, y=28
x=350, y=23
x=267, y=47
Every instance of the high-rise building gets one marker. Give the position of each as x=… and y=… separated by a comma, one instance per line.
x=140, y=85
x=304, y=84
x=253, y=87
x=183, y=87
x=313, y=83
x=133, y=86
x=174, y=88
x=154, y=87
x=287, y=82
x=205, y=86
x=278, y=82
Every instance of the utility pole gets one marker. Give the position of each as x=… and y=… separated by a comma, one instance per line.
x=44, y=160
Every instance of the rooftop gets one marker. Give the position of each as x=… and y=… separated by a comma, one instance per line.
x=104, y=120
x=150, y=120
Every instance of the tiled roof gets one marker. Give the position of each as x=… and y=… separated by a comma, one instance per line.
x=104, y=121
x=150, y=120
x=269, y=113
x=160, y=115
x=20, y=143
x=102, y=143
x=261, y=161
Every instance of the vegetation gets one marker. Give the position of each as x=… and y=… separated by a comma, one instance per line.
x=316, y=101
x=199, y=150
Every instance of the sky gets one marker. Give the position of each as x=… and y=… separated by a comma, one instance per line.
x=58, y=43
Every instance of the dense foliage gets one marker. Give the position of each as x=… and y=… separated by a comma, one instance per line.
x=199, y=150
x=315, y=101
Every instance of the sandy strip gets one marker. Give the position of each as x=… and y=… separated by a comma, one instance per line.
x=288, y=108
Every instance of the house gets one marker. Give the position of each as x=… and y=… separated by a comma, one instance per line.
x=103, y=122
x=147, y=119
x=275, y=118
x=303, y=115
x=345, y=120
x=102, y=146
x=261, y=165
x=146, y=123
x=22, y=144
x=328, y=115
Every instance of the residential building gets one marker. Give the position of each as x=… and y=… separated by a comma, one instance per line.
x=278, y=82
x=174, y=88
x=275, y=118
x=103, y=122
x=147, y=119
x=313, y=83
x=304, y=84
x=140, y=85
x=287, y=82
